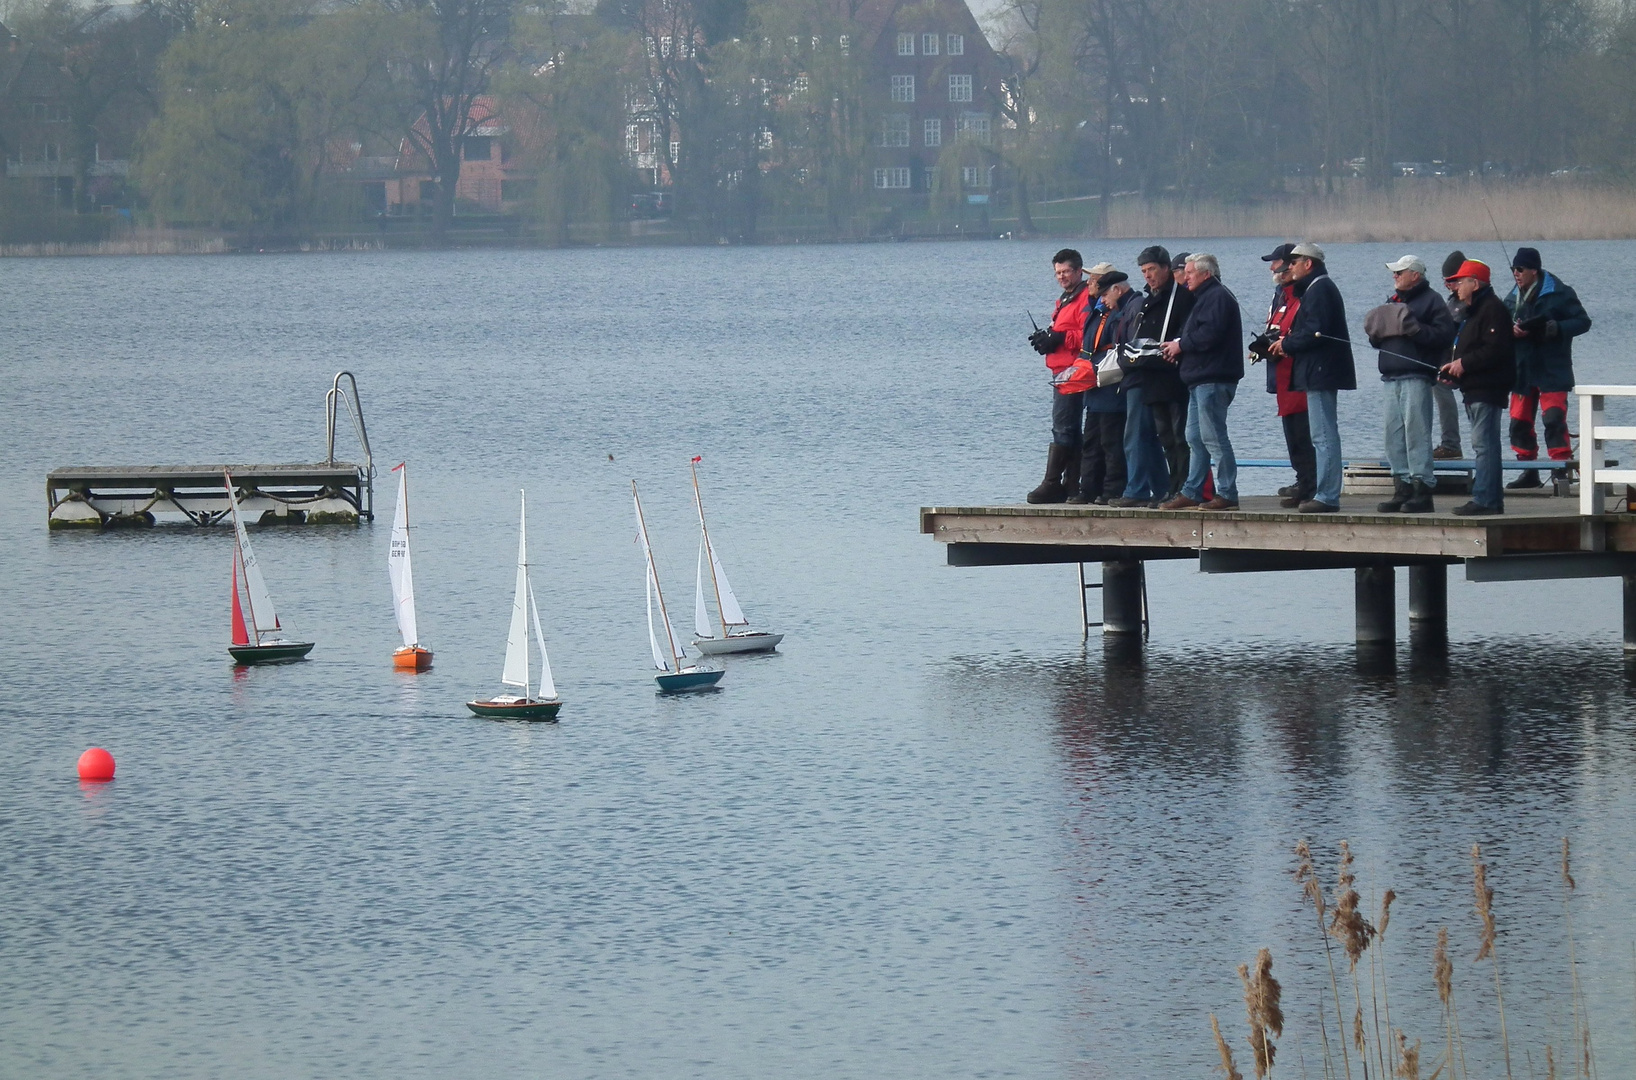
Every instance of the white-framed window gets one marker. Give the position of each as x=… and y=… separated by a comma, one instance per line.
x=932, y=132
x=892, y=178
x=675, y=151
x=928, y=44
x=972, y=127
x=903, y=88
x=928, y=178
x=973, y=176
x=664, y=45
x=846, y=44
x=799, y=88
x=906, y=44
x=894, y=130
x=959, y=87
x=957, y=45
x=633, y=139
x=764, y=138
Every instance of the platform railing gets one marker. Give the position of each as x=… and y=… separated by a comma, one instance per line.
x=1594, y=473
x=355, y=406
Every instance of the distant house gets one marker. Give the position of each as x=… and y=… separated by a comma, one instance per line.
x=35, y=120
x=494, y=175
x=939, y=81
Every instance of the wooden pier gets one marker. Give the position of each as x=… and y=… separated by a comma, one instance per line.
x=1538, y=537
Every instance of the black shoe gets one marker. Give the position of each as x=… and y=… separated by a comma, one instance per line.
x=1475, y=509
x=1289, y=490
x=1126, y=504
x=1078, y=499
x=1420, y=501
x=1528, y=479
x=1560, y=476
x=1313, y=506
x=1401, y=493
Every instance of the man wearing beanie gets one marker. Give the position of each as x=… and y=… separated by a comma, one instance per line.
x=1319, y=345
x=1546, y=316
x=1448, y=411
x=1155, y=397
x=1483, y=368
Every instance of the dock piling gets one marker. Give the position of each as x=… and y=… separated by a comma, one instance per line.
x=1630, y=613
x=1122, y=597
x=1429, y=594
x=1376, y=595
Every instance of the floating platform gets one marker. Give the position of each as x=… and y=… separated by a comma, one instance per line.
x=1538, y=537
x=141, y=495
x=331, y=493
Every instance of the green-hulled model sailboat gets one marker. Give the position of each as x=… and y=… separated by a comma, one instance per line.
x=515, y=673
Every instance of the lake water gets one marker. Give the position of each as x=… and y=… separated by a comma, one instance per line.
x=934, y=836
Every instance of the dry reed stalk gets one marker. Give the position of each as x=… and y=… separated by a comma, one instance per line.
x=1550, y=1064
x=1443, y=976
x=1262, y=997
x=1307, y=876
x=1581, y=1012
x=1348, y=925
x=1485, y=911
x=1323, y=1034
x=1408, y=1057
x=1225, y=1051
x=1380, y=953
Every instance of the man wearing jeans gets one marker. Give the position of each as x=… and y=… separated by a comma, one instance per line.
x=1210, y=358
x=1412, y=330
x=1322, y=353
x=1483, y=367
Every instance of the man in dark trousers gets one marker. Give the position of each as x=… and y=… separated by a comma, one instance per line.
x=1546, y=315
x=1292, y=404
x=1448, y=410
x=1484, y=368
x=1155, y=398
x=1319, y=345
x=1209, y=356
x=1102, y=463
x=1059, y=344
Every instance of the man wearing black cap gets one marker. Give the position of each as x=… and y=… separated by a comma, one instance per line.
x=1156, y=456
x=1292, y=404
x=1546, y=316
x=1102, y=462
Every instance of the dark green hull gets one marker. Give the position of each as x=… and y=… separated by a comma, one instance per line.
x=516, y=710
x=270, y=654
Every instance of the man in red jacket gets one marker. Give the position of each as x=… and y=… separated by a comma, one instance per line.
x=1060, y=346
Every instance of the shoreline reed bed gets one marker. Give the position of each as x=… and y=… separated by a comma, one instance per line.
x=1389, y=1051
x=1451, y=210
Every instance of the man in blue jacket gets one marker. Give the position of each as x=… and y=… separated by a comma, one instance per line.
x=1210, y=359
x=1546, y=316
x=1319, y=345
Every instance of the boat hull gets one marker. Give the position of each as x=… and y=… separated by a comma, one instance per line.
x=517, y=710
x=681, y=682
x=738, y=643
x=412, y=658
x=276, y=652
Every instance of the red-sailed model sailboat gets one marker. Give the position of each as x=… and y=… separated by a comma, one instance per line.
x=262, y=648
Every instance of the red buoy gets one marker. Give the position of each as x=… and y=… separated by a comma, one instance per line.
x=96, y=765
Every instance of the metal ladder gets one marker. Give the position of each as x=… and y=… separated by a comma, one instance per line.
x=1085, y=607
x=355, y=407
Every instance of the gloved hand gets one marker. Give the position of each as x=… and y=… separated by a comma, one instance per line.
x=1536, y=328
x=1036, y=341
x=1051, y=340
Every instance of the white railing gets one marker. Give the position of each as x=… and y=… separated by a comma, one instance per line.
x=1592, y=433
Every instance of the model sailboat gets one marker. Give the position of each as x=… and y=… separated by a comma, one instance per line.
x=727, y=606
x=255, y=642
x=524, y=612
x=673, y=676
x=412, y=657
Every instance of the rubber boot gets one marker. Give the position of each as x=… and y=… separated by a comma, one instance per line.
x=1051, y=489
x=1070, y=475
x=1529, y=478
x=1420, y=502
x=1401, y=493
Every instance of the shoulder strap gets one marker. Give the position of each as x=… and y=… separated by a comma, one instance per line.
x=1169, y=307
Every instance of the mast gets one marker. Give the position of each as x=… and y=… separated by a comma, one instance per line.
x=653, y=572
x=698, y=501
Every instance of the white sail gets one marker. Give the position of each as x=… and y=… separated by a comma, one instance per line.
x=676, y=651
x=397, y=565
x=548, y=686
x=653, y=638
x=731, y=613
x=701, y=614
x=515, y=672
x=262, y=615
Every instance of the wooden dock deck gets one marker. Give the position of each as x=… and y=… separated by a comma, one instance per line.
x=1538, y=537
x=109, y=496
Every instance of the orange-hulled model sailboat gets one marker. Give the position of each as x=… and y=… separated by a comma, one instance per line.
x=413, y=656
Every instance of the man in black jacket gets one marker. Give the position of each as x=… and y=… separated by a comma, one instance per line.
x=1319, y=345
x=1210, y=359
x=1413, y=330
x=1483, y=367
x=1155, y=398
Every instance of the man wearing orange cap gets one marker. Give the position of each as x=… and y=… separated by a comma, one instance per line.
x=1483, y=367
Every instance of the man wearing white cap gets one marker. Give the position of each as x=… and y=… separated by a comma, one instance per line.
x=1318, y=345
x=1412, y=330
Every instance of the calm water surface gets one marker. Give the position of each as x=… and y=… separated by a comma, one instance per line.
x=934, y=836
